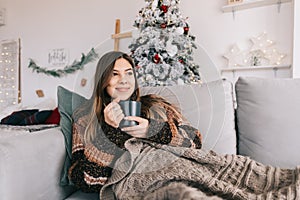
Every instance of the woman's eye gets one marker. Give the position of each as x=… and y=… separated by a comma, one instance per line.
x=115, y=74
x=130, y=73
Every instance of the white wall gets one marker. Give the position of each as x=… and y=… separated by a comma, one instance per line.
x=80, y=25
x=296, y=49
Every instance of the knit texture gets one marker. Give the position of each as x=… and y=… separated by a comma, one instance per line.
x=154, y=171
x=93, y=162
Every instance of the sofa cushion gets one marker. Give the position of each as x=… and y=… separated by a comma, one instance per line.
x=67, y=102
x=208, y=107
x=31, y=163
x=268, y=113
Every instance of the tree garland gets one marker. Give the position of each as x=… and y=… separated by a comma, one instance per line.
x=77, y=65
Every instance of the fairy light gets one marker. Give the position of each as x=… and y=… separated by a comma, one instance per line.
x=9, y=73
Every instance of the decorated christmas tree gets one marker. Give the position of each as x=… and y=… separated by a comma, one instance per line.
x=163, y=48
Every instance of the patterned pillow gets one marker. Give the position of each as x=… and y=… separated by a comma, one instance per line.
x=18, y=116
x=36, y=118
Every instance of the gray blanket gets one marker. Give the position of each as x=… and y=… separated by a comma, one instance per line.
x=154, y=171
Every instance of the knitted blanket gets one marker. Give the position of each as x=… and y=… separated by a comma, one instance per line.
x=154, y=171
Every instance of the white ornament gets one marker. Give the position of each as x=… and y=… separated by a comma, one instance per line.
x=232, y=56
x=172, y=3
x=243, y=58
x=274, y=57
x=171, y=49
x=261, y=42
x=166, y=2
x=154, y=4
x=179, y=30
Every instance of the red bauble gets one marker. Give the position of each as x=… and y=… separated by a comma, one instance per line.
x=156, y=59
x=163, y=25
x=186, y=30
x=164, y=8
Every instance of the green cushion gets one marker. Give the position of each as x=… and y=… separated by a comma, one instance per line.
x=67, y=102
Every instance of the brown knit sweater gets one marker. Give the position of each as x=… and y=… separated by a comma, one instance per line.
x=92, y=163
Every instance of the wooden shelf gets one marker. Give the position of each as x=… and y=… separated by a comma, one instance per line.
x=274, y=67
x=251, y=4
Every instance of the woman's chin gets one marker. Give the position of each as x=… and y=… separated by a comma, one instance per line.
x=124, y=97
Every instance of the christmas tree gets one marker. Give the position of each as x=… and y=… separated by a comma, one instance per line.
x=163, y=49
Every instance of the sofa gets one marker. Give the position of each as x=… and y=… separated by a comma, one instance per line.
x=255, y=117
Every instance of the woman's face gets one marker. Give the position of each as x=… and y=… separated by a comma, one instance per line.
x=122, y=81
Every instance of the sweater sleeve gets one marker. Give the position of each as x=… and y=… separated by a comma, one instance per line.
x=183, y=135
x=90, y=167
x=159, y=132
x=115, y=135
x=188, y=136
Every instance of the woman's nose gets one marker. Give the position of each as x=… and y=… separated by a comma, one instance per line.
x=123, y=79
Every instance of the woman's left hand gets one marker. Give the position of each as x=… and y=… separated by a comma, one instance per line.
x=138, y=131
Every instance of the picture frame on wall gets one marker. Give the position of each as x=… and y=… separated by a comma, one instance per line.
x=234, y=1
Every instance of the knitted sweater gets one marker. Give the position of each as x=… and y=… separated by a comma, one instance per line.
x=92, y=163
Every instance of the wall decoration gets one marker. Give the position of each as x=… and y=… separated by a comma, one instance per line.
x=58, y=57
x=40, y=93
x=232, y=55
x=261, y=42
x=70, y=69
x=262, y=52
x=9, y=73
x=234, y=1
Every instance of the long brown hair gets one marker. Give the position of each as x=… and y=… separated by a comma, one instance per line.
x=153, y=106
x=100, y=97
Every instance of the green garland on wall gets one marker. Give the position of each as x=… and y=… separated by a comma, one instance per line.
x=77, y=65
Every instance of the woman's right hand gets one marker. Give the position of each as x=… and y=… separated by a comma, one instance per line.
x=113, y=113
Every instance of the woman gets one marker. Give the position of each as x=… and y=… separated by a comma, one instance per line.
x=161, y=157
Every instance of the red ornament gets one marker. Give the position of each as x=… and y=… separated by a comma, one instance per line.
x=156, y=59
x=181, y=61
x=138, y=67
x=164, y=8
x=163, y=25
x=186, y=30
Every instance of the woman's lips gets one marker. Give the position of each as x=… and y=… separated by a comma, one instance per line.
x=122, y=89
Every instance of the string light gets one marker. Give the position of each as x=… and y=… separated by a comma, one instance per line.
x=8, y=73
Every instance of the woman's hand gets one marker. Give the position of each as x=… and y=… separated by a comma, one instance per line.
x=113, y=113
x=138, y=131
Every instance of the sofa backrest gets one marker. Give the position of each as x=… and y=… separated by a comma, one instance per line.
x=208, y=107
